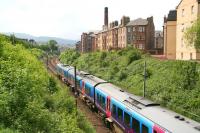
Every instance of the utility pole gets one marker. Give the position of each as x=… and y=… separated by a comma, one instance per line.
x=144, y=89
x=13, y=37
x=75, y=88
x=47, y=60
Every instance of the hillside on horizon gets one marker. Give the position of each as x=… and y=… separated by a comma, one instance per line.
x=44, y=39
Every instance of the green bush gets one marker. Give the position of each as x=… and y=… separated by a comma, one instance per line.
x=31, y=100
x=171, y=83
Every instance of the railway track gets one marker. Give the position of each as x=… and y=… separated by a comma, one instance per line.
x=94, y=118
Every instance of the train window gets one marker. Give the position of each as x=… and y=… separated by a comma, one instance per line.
x=103, y=102
x=136, y=126
x=114, y=110
x=120, y=114
x=98, y=98
x=127, y=119
x=144, y=129
x=87, y=90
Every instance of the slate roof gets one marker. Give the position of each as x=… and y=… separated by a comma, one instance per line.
x=172, y=16
x=138, y=21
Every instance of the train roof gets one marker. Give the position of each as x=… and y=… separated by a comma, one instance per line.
x=93, y=80
x=171, y=121
x=64, y=66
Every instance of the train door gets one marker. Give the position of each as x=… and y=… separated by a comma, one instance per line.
x=157, y=129
x=83, y=87
x=108, y=112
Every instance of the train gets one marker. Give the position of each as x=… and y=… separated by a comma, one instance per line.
x=125, y=112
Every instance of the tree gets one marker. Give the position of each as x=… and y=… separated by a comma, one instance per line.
x=192, y=34
x=53, y=45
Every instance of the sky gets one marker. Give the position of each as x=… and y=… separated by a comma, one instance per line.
x=69, y=18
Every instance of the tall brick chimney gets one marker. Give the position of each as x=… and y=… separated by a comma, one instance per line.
x=106, y=16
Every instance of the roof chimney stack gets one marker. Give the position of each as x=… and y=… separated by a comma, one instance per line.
x=106, y=16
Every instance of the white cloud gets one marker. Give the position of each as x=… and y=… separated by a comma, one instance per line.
x=69, y=18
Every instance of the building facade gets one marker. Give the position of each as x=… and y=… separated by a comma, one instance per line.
x=78, y=46
x=187, y=13
x=88, y=43
x=159, y=42
x=122, y=36
x=170, y=35
x=140, y=33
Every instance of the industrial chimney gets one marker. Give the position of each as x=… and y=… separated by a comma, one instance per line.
x=106, y=16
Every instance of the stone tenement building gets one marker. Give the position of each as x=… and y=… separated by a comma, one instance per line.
x=138, y=33
x=78, y=46
x=175, y=45
x=112, y=36
x=187, y=12
x=159, y=40
x=87, y=42
x=170, y=35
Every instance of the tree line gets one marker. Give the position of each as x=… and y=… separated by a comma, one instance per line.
x=30, y=99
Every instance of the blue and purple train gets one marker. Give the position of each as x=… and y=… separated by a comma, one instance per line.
x=127, y=112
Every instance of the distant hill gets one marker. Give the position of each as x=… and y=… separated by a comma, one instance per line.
x=44, y=39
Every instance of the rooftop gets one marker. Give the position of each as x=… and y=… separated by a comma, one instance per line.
x=172, y=16
x=138, y=21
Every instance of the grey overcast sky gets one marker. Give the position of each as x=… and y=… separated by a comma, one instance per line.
x=69, y=18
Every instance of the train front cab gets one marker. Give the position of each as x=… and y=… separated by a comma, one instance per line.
x=129, y=121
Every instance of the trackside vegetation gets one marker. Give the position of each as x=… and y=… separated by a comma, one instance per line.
x=173, y=84
x=30, y=99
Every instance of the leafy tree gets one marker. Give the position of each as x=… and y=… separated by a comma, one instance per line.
x=53, y=45
x=31, y=100
x=192, y=34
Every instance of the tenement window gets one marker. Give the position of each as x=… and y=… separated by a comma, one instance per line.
x=182, y=43
x=133, y=28
x=183, y=12
x=192, y=9
x=129, y=29
x=181, y=55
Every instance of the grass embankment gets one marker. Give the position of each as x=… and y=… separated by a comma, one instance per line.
x=173, y=84
x=30, y=99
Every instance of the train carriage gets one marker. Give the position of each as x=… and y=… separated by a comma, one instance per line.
x=89, y=83
x=132, y=114
x=139, y=115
